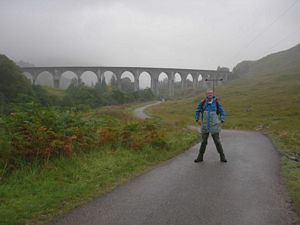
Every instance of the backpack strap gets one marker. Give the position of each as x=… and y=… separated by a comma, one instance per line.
x=217, y=106
x=202, y=105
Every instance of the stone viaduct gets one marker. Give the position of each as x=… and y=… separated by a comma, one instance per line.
x=154, y=73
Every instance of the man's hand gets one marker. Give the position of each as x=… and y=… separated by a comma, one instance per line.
x=199, y=122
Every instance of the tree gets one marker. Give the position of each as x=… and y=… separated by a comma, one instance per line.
x=127, y=85
x=12, y=81
x=113, y=82
x=101, y=85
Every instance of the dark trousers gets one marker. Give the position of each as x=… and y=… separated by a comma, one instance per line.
x=216, y=138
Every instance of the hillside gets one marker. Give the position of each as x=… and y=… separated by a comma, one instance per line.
x=273, y=63
x=265, y=99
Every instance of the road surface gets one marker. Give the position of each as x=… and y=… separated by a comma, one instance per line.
x=140, y=112
x=245, y=191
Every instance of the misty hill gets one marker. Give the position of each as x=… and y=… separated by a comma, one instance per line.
x=273, y=63
x=22, y=63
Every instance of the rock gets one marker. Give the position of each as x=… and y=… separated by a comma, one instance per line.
x=294, y=158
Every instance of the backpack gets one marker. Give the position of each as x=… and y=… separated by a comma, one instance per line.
x=217, y=106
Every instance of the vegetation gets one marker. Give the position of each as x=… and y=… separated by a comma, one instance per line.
x=104, y=148
x=12, y=82
x=102, y=95
x=37, y=134
x=265, y=101
x=58, y=149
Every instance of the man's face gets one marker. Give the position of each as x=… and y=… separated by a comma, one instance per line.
x=209, y=94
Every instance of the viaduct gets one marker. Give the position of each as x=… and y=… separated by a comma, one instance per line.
x=154, y=73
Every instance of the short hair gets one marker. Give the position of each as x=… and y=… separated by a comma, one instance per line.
x=209, y=90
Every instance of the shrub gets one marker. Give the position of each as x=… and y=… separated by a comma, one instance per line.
x=39, y=133
x=35, y=134
x=7, y=154
x=133, y=134
x=12, y=81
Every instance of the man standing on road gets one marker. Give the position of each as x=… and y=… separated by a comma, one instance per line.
x=211, y=110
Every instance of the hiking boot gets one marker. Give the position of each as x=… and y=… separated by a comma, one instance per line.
x=198, y=160
x=223, y=160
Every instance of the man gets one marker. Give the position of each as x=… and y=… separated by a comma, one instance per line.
x=211, y=109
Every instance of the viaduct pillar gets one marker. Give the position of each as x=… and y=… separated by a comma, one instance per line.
x=119, y=84
x=136, y=80
x=99, y=76
x=34, y=75
x=171, y=83
x=183, y=81
x=195, y=80
x=56, y=78
x=154, y=83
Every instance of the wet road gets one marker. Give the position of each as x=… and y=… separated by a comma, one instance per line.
x=139, y=112
x=245, y=191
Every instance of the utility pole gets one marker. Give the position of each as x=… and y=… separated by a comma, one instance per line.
x=214, y=80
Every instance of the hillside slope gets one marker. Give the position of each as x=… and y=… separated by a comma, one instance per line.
x=273, y=63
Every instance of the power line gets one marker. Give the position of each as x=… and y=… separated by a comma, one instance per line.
x=266, y=29
x=283, y=39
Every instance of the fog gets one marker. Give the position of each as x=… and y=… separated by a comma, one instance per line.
x=170, y=33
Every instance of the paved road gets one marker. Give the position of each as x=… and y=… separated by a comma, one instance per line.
x=140, y=113
x=245, y=191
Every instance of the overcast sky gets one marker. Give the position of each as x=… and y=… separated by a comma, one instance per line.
x=200, y=34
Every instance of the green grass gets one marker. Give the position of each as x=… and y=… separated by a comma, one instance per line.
x=36, y=194
x=267, y=103
x=59, y=93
